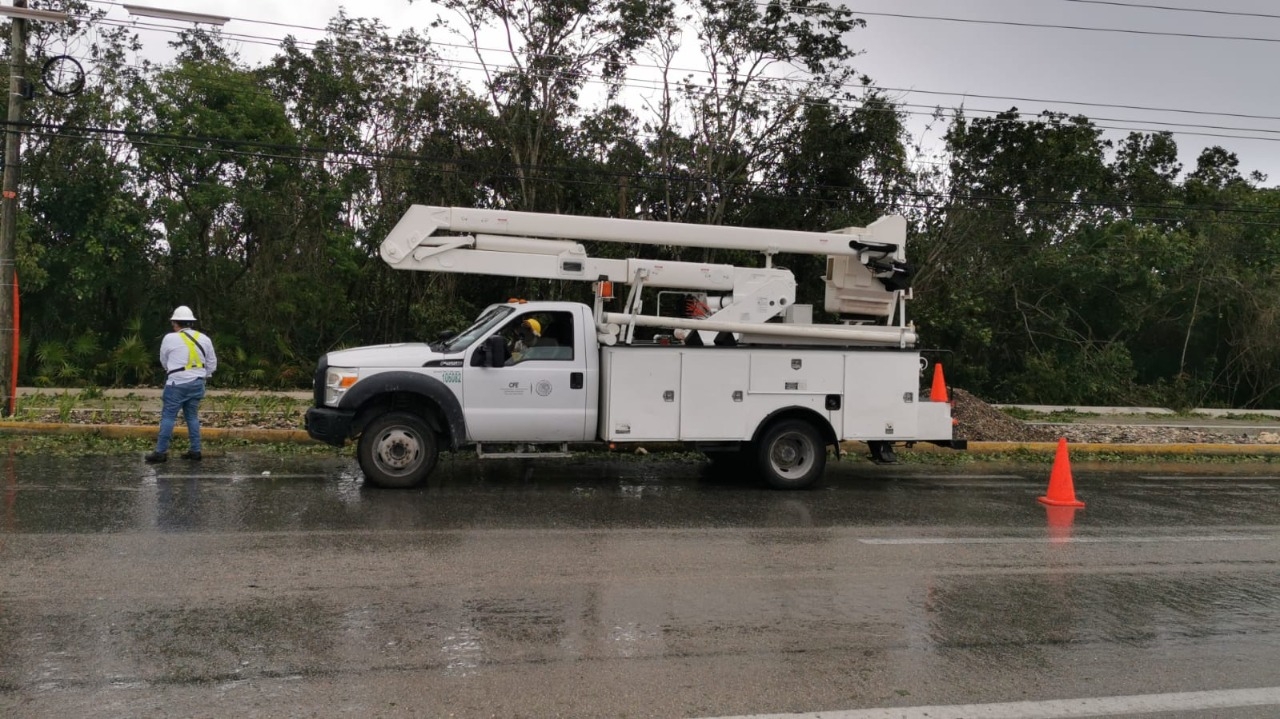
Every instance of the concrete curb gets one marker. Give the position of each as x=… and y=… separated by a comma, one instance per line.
x=122, y=431
x=1204, y=449
x=283, y=436
x=154, y=393
x=1132, y=411
x=1186, y=449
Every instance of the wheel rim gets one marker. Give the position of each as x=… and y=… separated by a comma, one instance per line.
x=792, y=454
x=398, y=451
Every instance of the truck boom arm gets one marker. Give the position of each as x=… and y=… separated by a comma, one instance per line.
x=867, y=275
x=885, y=237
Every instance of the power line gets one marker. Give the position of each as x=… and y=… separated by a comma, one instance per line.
x=892, y=203
x=275, y=42
x=1080, y=28
x=1139, y=6
x=1170, y=8
x=851, y=12
x=325, y=155
x=463, y=65
x=1133, y=125
x=1141, y=108
x=1023, y=117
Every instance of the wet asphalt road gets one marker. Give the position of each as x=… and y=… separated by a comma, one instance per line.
x=598, y=588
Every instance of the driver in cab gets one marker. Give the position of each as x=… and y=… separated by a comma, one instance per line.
x=527, y=335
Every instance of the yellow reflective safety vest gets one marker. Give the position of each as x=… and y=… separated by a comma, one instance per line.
x=195, y=353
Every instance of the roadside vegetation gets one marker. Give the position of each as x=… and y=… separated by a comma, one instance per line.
x=1055, y=263
x=242, y=409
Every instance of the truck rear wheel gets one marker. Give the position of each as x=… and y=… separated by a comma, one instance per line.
x=397, y=450
x=791, y=455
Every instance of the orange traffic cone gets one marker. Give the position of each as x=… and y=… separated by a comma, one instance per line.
x=1062, y=492
x=939, y=391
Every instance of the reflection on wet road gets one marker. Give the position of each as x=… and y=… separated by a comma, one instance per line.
x=260, y=585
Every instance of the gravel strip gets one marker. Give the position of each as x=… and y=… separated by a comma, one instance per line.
x=976, y=421
x=980, y=422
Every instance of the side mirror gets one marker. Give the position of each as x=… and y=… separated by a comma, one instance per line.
x=446, y=335
x=495, y=348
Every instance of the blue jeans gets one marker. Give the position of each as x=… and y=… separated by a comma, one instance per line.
x=185, y=397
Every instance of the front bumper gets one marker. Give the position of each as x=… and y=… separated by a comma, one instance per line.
x=332, y=426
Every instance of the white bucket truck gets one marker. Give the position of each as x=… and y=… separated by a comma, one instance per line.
x=751, y=379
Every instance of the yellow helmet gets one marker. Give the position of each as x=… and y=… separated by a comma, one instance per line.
x=534, y=325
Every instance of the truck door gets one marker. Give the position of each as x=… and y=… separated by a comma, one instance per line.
x=540, y=394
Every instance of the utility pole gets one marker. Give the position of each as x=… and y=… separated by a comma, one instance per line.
x=9, y=202
x=18, y=89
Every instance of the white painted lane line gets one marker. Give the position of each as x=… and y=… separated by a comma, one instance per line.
x=1181, y=702
x=268, y=475
x=1077, y=540
x=1176, y=477
x=961, y=476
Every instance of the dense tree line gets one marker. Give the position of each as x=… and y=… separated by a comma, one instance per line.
x=1053, y=264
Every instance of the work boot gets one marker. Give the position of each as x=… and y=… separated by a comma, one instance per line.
x=157, y=457
x=193, y=456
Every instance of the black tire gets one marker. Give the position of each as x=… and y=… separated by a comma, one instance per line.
x=397, y=451
x=791, y=455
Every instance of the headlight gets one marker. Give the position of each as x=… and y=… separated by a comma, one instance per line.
x=337, y=380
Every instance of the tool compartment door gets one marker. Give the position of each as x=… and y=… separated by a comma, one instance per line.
x=641, y=394
x=882, y=396
x=797, y=372
x=713, y=399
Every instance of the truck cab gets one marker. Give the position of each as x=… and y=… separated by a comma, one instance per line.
x=491, y=382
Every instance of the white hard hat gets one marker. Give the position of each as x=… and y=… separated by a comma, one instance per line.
x=182, y=314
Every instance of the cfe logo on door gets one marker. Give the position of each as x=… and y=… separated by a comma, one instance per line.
x=797, y=364
x=543, y=388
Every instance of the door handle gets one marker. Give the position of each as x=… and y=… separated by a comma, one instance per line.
x=575, y=380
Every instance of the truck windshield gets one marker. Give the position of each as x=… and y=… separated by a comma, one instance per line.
x=488, y=319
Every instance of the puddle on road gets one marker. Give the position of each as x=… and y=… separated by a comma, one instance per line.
x=114, y=494
x=1074, y=608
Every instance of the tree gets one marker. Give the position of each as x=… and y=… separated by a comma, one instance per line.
x=552, y=49
x=85, y=244
x=765, y=63
x=1021, y=193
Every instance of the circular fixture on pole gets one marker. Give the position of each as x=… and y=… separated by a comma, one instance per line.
x=63, y=75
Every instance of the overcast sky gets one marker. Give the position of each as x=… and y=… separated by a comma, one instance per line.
x=1050, y=68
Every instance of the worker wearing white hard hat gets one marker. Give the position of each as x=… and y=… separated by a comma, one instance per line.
x=188, y=359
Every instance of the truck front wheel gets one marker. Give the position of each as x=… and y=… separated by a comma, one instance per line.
x=791, y=455
x=397, y=450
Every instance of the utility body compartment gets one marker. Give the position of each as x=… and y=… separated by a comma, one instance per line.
x=694, y=394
